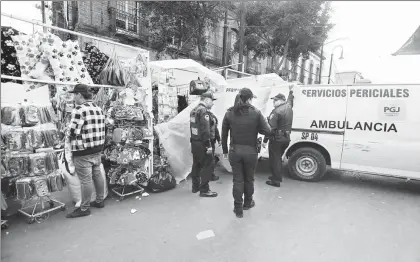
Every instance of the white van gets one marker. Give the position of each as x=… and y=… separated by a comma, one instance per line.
x=366, y=128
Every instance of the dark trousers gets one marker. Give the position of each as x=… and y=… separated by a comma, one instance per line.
x=202, y=168
x=243, y=160
x=275, y=153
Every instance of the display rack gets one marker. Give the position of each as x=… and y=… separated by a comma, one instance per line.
x=43, y=214
x=43, y=206
x=122, y=192
x=4, y=224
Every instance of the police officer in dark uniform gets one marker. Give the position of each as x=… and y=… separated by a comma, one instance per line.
x=201, y=149
x=244, y=122
x=280, y=120
x=214, y=137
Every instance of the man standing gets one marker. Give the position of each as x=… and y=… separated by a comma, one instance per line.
x=87, y=137
x=201, y=149
x=214, y=137
x=280, y=121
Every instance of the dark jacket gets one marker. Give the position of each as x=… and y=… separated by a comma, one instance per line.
x=243, y=127
x=200, y=124
x=280, y=121
x=214, y=130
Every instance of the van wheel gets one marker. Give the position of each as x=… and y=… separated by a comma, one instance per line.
x=307, y=164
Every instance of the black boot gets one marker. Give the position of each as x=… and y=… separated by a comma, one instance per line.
x=273, y=183
x=78, y=213
x=239, y=212
x=249, y=206
x=208, y=194
x=195, y=190
x=214, y=178
x=97, y=204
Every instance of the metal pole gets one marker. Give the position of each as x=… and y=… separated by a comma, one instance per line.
x=242, y=36
x=225, y=36
x=43, y=15
x=329, y=74
x=320, y=64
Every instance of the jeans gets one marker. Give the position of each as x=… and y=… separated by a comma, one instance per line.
x=88, y=168
x=275, y=154
x=243, y=160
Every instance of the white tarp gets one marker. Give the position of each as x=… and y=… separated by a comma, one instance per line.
x=175, y=134
x=186, y=70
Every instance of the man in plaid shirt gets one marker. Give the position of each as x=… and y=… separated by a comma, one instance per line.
x=87, y=137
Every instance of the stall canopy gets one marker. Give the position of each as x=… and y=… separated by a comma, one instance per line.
x=186, y=70
x=412, y=46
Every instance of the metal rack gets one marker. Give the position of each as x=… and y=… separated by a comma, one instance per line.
x=44, y=213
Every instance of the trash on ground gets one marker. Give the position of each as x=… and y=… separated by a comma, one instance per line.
x=137, y=197
x=145, y=194
x=280, y=197
x=133, y=211
x=205, y=234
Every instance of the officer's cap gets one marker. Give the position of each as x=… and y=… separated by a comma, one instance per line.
x=279, y=97
x=208, y=95
x=246, y=93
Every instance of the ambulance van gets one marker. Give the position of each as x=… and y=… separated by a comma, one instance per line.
x=367, y=128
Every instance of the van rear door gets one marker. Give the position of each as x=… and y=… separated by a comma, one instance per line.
x=382, y=130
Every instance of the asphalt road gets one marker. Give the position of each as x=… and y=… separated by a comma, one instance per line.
x=345, y=217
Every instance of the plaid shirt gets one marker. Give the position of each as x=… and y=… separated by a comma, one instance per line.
x=87, y=127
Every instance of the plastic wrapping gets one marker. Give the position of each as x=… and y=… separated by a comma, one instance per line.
x=24, y=188
x=47, y=115
x=14, y=138
x=38, y=164
x=113, y=72
x=41, y=186
x=16, y=164
x=10, y=116
x=34, y=139
x=29, y=115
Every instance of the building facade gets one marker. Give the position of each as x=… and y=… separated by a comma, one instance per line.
x=121, y=21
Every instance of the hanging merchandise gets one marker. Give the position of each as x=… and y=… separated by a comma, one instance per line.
x=95, y=61
x=29, y=55
x=113, y=72
x=9, y=62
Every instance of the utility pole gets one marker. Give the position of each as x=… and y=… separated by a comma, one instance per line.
x=241, y=37
x=320, y=64
x=44, y=20
x=225, y=36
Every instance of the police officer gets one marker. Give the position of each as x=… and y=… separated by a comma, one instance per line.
x=280, y=120
x=201, y=149
x=214, y=137
x=244, y=122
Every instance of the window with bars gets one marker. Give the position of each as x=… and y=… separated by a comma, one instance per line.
x=128, y=16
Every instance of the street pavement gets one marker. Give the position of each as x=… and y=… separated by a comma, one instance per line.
x=345, y=217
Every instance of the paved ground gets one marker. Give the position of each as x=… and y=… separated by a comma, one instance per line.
x=342, y=218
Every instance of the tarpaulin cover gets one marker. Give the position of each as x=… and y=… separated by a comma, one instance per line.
x=175, y=134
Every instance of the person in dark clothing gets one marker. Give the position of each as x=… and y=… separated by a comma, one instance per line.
x=280, y=120
x=244, y=122
x=214, y=137
x=201, y=149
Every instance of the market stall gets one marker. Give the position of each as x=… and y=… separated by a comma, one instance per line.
x=174, y=83
x=175, y=135
x=36, y=109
